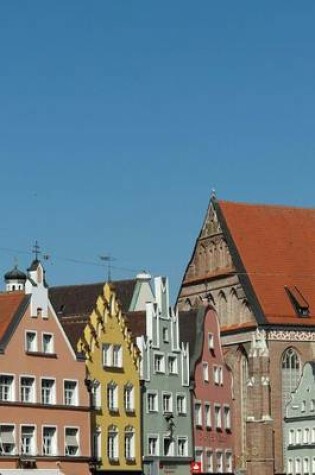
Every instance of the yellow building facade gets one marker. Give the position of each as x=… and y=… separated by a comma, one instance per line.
x=112, y=360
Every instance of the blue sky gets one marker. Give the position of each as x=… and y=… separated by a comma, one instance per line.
x=117, y=118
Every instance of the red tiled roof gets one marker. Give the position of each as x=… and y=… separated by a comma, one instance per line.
x=276, y=245
x=9, y=304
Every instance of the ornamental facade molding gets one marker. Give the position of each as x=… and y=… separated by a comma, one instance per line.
x=291, y=335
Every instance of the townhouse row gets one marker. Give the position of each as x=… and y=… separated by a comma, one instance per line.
x=109, y=379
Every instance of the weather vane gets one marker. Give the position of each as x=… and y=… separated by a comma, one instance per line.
x=109, y=259
x=36, y=250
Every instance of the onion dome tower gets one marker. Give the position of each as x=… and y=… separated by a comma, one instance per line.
x=15, y=280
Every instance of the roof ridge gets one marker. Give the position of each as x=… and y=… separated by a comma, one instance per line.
x=266, y=205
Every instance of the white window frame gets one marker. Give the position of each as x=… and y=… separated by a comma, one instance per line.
x=7, y=388
x=218, y=416
x=152, y=396
x=32, y=388
x=113, y=444
x=208, y=418
x=171, y=447
x=159, y=363
x=117, y=356
x=210, y=341
x=219, y=458
x=181, y=404
x=229, y=461
x=31, y=449
x=52, y=393
x=129, y=398
x=165, y=335
x=172, y=363
x=227, y=417
x=76, y=434
x=54, y=446
x=73, y=399
x=205, y=371
x=112, y=397
x=209, y=460
x=33, y=348
x=154, y=437
x=198, y=413
x=4, y=444
x=107, y=355
x=129, y=441
x=50, y=350
x=167, y=402
x=182, y=446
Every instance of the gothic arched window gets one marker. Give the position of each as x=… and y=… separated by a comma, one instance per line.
x=291, y=373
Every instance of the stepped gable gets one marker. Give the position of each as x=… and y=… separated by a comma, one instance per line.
x=273, y=248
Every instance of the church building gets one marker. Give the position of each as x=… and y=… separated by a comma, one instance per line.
x=255, y=264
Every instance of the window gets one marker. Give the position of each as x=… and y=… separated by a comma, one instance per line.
x=97, y=443
x=129, y=398
x=72, y=441
x=219, y=462
x=165, y=335
x=172, y=365
x=228, y=462
x=210, y=341
x=198, y=414
x=313, y=436
x=182, y=447
x=205, y=371
x=290, y=467
x=208, y=415
x=168, y=447
x=312, y=405
x=313, y=465
x=199, y=457
x=306, y=466
x=49, y=441
x=181, y=404
x=70, y=393
x=167, y=402
x=48, y=391
x=7, y=440
x=117, y=356
x=96, y=394
x=306, y=436
x=159, y=364
x=291, y=372
x=303, y=406
x=227, y=418
x=112, y=397
x=31, y=341
x=6, y=388
x=107, y=355
x=27, y=385
x=216, y=374
x=298, y=466
x=217, y=416
x=112, y=444
x=209, y=461
x=28, y=440
x=48, y=343
x=129, y=443
x=152, y=402
x=291, y=437
x=299, y=436
x=153, y=445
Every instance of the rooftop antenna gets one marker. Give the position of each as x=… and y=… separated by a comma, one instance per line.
x=36, y=250
x=109, y=259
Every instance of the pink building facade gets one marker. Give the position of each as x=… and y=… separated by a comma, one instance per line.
x=44, y=404
x=212, y=391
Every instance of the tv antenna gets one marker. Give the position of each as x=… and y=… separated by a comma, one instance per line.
x=109, y=259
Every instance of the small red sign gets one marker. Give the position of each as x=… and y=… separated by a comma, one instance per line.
x=195, y=467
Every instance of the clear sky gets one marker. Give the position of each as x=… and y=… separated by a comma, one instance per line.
x=117, y=118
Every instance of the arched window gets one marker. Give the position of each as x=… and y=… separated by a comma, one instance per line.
x=233, y=308
x=222, y=308
x=129, y=443
x=112, y=443
x=291, y=373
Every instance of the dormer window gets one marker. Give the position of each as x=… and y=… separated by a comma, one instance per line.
x=298, y=301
